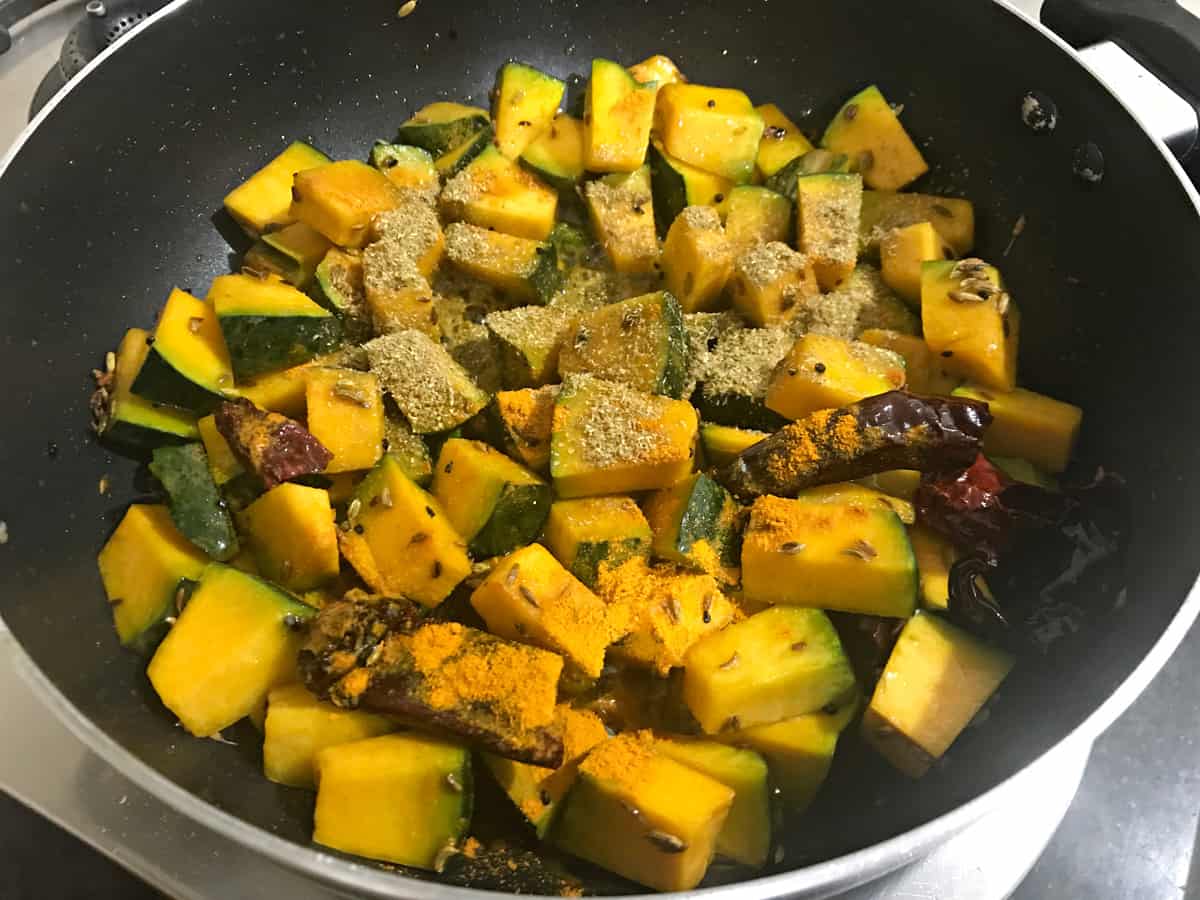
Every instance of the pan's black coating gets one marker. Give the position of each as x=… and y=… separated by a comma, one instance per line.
x=110, y=203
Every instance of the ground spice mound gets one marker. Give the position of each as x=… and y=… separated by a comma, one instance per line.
x=766, y=264
x=862, y=301
x=626, y=760
x=624, y=214
x=529, y=338
x=433, y=391
x=744, y=360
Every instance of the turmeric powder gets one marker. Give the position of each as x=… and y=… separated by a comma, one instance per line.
x=625, y=760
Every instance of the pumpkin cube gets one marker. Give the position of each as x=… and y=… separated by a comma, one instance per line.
x=935, y=556
x=769, y=282
x=400, y=798
x=593, y=532
x=723, y=444
x=409, y=168
x=695, y=524
x=400, y=539
x=844, y=556
x=222, y=462
x=621, y=209
x=141, y=566
x=530, y=597
x=697, y=259
x=524, y=102
x=677, y=185
x=799, y=753
x=493, y=191
x=557, y=155
x=298, y=726
x=884, y=211
x=715, y=129
x=756, y=215
x=822, y=372
x=433, y=391
x=922, y=370
x=970, y=321
x=494, y=503
x=400, y=301
x=279, y=392
x=779, y=663
x=619, y=114
x=525, y=270
x=528, y=341
x=868, y=131
x=852, y=493
x=608, y=439
x=901, y=253
x=264, y=200
x=410, y=230
x=521, y=423
x=1028, y=426
x=827, y=213
x=782, y=140
x=339, y=200
x=293, y=536
x=345, y=413
x=658, y=69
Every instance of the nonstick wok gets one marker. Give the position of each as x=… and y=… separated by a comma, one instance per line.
x=112, y=198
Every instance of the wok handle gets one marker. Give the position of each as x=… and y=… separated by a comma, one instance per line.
x=1162, y=37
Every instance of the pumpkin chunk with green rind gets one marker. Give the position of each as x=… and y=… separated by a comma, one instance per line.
x=823, y=372
x=658, y=69
x=233, y=642
x=399, y=798
x=264, y=200
x=641, y=814
x=734, y=385
x=401, y=541
x=782, y=140
x=621, y=210
x=142, y=565
x=755, y=215
x=128, y=420
x=458, y=158
x=746, y=835
x=868, y=131
x=677, y=185
x=639, y=342
x=722, y=444
x=1028, y=425
x=340, y=199
x=269, y=325
x=528, y=341
x=433, y=391
x=970, y=320
x=525, y=270
x=697, y=259
x=293, y=537
x=609, y=439
x=298, y=726
x=557, y=155
x=619, y=114
x=715, y=129
x=187, y=366
x=594, y=532
x=770, y=282
x=409, y=168
x=524, y=102
x=815, y=162
x=530, y=597
x=827, y=213
x=840, y=556
x=493, y=191
x=442, y=126
x=851, y=493
x=519, y=423
x=196, y=505
x=495, y=504
x=936, y=680
x=884, y=211
x=695, y=524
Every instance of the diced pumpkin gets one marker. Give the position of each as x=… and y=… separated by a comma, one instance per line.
x=738, y=373
x=669, y=610
x=799, y=752
x=458, y=158
x=269, y=325
x=521, y=423
x=621, y=209
x=142, y=565
x=495, y=504
x=524, y=102
x=697, y=259
x=293, y=251
x=232, y=643
x=408, y=168
x=722, y=444
x=619, y=114
x=643, y=815
x=922, y=370
x=129, y=420
x=868, y=130
x=222, y=462
x=400, y=798
x=528, y=341
x=608, y=439
x=293, y=537
x=298, y=726
x=695, y=525
x=406, y=546
x=936, y=680
x=264, y=200
x=827, y=213
x=494, y=192
x=677, y=185
x=746, y=835
x=278, y=392
x=398, y=297
x=822, y=372
x=841, y=556
x=1028, y=425
x=970, y=321
x=345, y=413
x=769, y=282
x=639, y=342
x=525, y=270
x=340, y=289
x=592, y=532
x=187, y=366
x=433, y=391
x=658, y=69
x=884, y=211
x=715, y=129
x=442, y=126
x=814, y=162
x=779, y=663
x=339, y=200
x=410, y=230
x=935, y=556
x=850, y=493
x=755, y=215
x=530, y=597
x=409, y=449
x=782, y=140
x=902, y=483
x=901, y=253
x=557, y=155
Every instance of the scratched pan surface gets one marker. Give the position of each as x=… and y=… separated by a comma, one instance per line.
x=110, y=202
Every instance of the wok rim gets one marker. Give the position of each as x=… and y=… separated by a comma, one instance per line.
x=819, y=880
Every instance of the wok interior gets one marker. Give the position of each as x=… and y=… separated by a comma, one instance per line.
x=105, y=209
